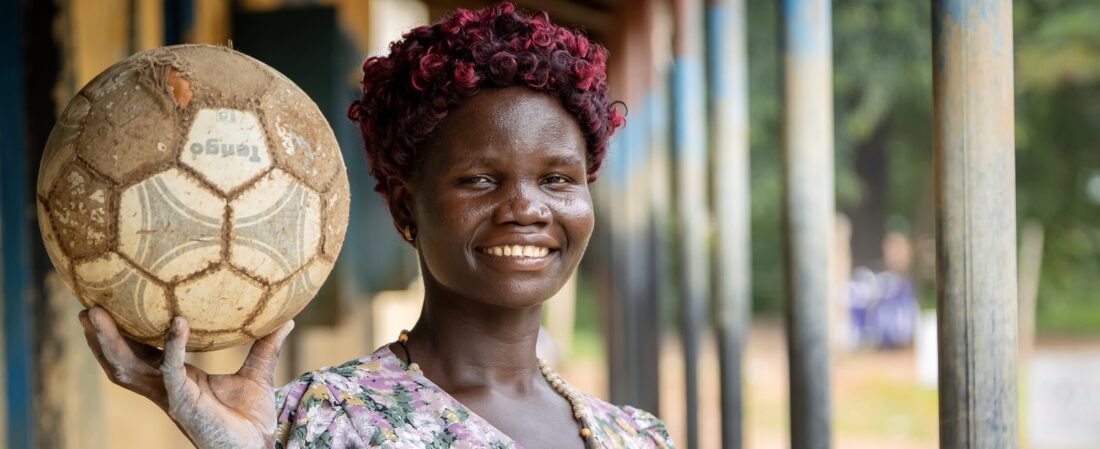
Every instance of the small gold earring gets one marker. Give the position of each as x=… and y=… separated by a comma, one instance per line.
x=408, y=233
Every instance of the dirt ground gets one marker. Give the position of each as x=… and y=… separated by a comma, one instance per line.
x=877, y=402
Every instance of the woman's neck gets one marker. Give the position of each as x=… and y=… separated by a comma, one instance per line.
x=463, y=344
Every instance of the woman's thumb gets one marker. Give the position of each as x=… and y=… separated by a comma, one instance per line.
x=262, y=358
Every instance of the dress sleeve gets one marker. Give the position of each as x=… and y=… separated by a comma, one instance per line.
x=652, y=427
x=308, y=416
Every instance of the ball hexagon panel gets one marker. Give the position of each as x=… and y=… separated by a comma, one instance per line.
x=220, y=300
x=80, y=209
x=133, y=299
x=61, y=145
x=276, y=227
x=210, y=70
x=53, y=249
x=170, y=225
x=127, y=130
x=290, y=298
x=227, y=147
x=301, y=140
x=337, y=200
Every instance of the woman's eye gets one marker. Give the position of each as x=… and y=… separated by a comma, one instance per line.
x=557, y=179
x=479, y=180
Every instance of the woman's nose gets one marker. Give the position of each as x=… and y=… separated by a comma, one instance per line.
x=523, y=206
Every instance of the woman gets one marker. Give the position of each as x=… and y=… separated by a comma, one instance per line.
x=483, y=132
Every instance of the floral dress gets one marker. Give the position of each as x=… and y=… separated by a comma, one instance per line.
x=375, y=402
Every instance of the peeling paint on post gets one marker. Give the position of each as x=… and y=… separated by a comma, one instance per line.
x=729, y=138
x=690, y=147
x=975, y=223
x=807, y=136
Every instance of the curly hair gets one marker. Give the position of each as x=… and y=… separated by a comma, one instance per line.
x=408, y=93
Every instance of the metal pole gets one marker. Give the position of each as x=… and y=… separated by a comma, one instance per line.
x=729, y=138
x=690, y=148
x=976, y=223
x=807, y=136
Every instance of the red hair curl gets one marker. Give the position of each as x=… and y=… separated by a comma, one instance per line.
x=408, y=93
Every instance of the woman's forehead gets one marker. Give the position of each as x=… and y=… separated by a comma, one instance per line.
x=514, y=121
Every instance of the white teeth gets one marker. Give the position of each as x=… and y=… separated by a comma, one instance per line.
x=518, y=251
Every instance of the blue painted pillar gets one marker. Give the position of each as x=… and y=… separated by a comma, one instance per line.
x=809, y=211
x=16, y=209
x=689, y=139
x=727, y=67
x=973, y=146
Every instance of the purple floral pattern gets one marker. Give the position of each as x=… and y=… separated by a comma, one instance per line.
x=375, y=402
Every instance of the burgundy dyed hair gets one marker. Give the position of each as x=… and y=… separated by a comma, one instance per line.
x=407, y=94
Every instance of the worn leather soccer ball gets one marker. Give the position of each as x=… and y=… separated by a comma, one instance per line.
x=193, y=180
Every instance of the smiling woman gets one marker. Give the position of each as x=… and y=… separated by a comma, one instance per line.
x=483, y=132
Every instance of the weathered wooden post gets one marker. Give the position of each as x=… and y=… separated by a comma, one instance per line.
x=690, y=147
x=807, y=140
x=727, y=67
x=16, y=212
x=975, y=222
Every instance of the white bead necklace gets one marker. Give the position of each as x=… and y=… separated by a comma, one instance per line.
x=576, y=400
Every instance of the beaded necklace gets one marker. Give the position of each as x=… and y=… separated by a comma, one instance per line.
x=576, y=400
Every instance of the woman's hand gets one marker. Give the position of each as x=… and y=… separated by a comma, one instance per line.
x=215, y=411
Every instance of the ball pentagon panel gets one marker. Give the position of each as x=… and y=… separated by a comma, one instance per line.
x=80, y=210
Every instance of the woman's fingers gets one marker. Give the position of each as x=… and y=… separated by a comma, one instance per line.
x=264, y=355
x=110, y=347
x=173, y=368
x=93, y=342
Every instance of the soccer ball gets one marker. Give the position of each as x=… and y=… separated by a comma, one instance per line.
x=193, y=180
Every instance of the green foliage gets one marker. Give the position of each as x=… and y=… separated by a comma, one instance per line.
x=882, y=79
x=1058, y=154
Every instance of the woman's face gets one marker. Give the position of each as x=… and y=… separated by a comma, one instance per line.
x=500, y=202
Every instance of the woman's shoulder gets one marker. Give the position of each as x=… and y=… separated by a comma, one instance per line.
x=342, y=403
x=626, y=426
x=355, y=375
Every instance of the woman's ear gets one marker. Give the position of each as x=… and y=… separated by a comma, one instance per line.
x=400, y=203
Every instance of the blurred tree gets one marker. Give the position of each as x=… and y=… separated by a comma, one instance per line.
x=1058, y=153
x=883, y=100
